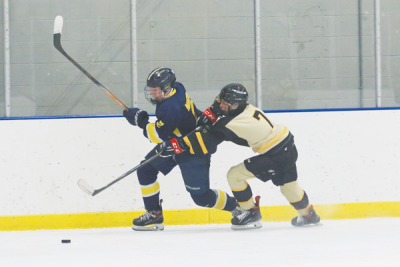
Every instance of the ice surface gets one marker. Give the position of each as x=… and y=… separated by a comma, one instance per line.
x=366, y=242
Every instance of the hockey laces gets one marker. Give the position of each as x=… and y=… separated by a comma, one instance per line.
x=146, y=216
x=300, y=219
x=237, y=211
x=243, y=215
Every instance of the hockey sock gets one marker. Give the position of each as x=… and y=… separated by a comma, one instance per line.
x=214, y=198
x=151, y=196
x=297, y=197
x=244, y=197
x=224, y=201
x=147, y=176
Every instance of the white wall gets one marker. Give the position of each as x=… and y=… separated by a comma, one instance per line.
x=344, y=157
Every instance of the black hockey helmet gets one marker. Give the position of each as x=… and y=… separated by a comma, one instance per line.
x=159, y=77
x=234, y=93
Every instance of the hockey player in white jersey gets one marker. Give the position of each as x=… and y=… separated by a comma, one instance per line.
x=232, y=118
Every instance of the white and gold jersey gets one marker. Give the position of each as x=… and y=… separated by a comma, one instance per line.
x=249, y=128
x=254, y=126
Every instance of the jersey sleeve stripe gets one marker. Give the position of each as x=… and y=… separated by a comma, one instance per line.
x=177, y=132
x=201, y=143
x=186, y=139
x=152, y=134
x=274, y=141
x=150, y=190
x=193, y=111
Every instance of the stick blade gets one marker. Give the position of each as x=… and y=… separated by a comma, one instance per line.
x=58, y=24
x=85, y=187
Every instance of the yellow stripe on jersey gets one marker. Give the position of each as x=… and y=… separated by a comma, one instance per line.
x=248, y=201
x=187, y=103
x=273, y=141
x=152, y=134
x=150, y=190
x=240, y=189
x=201, y=143
x=192, y=107
x=177, y=132
x=221, y=200
x=189, y=144
x=172, y=93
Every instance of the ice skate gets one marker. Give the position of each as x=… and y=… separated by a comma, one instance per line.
x=237, y=211
x=149, y=221
x=247, y=219
x=311, y=219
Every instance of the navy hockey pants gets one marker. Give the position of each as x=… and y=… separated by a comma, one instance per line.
x=195, y=173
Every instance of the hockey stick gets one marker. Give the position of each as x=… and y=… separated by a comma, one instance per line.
x=58, y=24
x=92, y=192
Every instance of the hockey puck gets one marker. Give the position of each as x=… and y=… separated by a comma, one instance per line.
x=66, y=241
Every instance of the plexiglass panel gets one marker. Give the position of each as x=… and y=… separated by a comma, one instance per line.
x=314, y=54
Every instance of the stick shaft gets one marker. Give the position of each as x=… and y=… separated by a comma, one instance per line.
x=95, y=192
x=57, y=45
x=127, y=173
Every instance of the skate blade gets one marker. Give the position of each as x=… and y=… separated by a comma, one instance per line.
x=316, y=224
x=151, y=227
x=310, y=225
x=251, y=226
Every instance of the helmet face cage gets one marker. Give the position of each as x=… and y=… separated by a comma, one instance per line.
x=149, y=97
x=164, y=78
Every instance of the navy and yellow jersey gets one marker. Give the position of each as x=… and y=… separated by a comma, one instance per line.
x=250, y=128
x=176, y=116
x=202, y=142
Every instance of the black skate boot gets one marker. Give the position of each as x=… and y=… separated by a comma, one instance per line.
x=237, y=211
x=247, y=219
x=150, y=221
x=311, y=218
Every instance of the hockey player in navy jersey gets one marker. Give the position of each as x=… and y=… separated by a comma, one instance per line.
x=232, y=118
x=176, y=116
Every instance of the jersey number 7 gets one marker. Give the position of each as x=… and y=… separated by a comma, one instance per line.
x=257, y=114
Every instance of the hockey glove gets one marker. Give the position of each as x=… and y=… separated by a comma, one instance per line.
x=171, y=147
x=216, y=107
x=204, y=121
x=208, y=118
x=136, y=117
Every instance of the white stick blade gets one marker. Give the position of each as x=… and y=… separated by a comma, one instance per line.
x=85, y=187
x=58, y=24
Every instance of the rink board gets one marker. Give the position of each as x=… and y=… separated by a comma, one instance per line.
x=348, y=164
